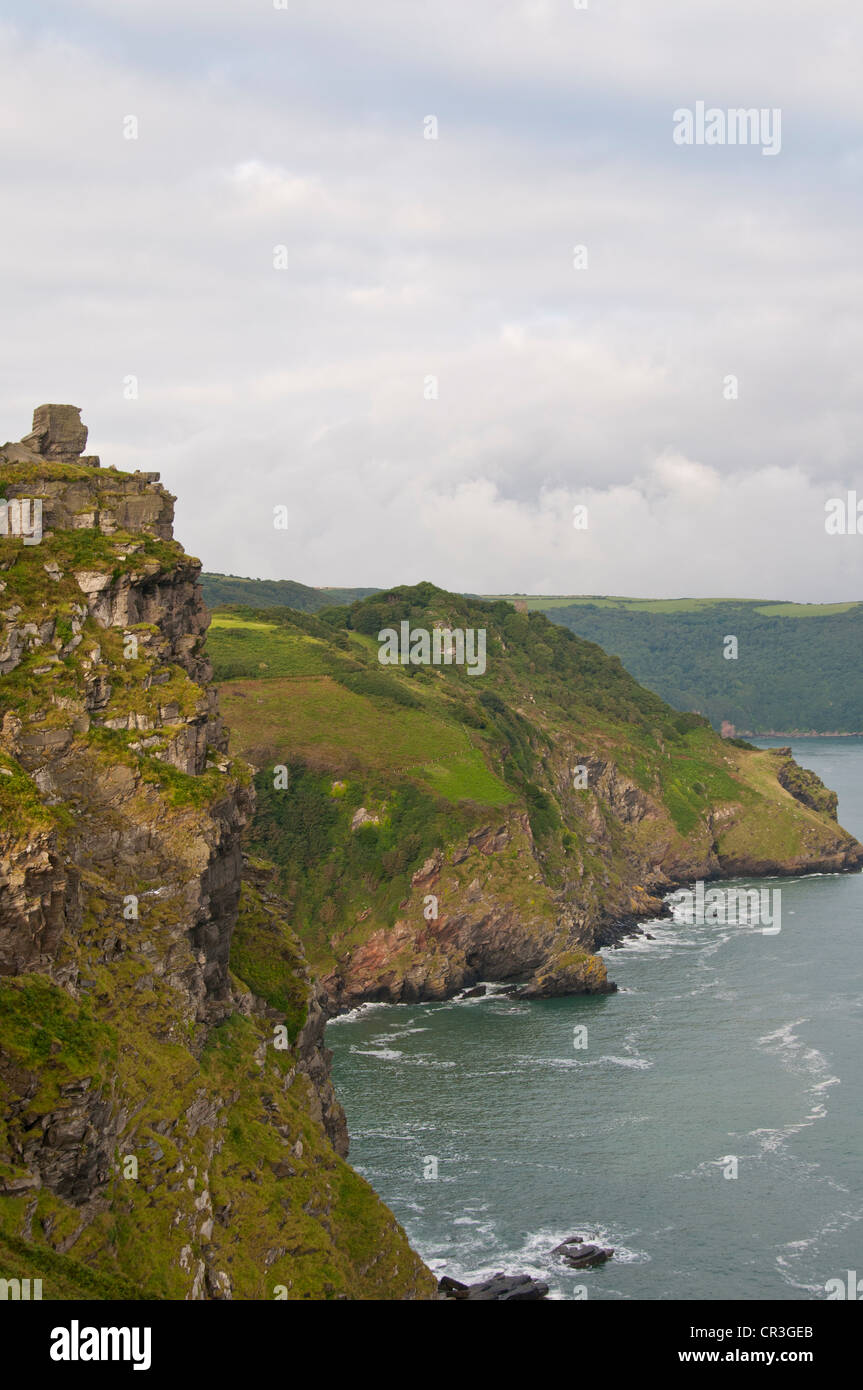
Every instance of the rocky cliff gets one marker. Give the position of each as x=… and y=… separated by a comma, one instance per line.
x=168, y=1128
x=432, y=829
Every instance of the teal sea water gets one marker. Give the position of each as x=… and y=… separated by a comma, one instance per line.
x=722, y=1042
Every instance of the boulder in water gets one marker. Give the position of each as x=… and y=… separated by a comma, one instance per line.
x=500, y=1288
x=582, y=1254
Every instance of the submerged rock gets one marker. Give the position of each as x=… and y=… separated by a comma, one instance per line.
x=500, y=1288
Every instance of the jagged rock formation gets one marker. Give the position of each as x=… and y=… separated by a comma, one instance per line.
x=579, y=1253
x=804, y=785
x=57, y=434
x=168, y=1127
x=500, y=1288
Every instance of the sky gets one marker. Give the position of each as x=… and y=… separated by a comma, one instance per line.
x=227, y=236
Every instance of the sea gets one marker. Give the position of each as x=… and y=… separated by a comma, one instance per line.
x=705, y=1122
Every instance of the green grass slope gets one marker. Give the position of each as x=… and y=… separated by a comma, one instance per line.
x=405, y=781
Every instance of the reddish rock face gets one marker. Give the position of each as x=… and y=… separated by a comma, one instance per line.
x=483, y=923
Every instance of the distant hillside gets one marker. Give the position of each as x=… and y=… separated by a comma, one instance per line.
x=431, y=828
x=798, y=667
x=224, y=589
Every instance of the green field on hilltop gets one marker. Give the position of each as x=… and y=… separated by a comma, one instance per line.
x=542, y=603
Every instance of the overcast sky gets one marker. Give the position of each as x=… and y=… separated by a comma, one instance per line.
x=411, y=258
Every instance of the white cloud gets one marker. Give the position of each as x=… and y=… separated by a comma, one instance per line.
x=453, y=258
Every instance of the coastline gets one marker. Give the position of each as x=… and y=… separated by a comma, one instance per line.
x=779, y=733
x=612, y=934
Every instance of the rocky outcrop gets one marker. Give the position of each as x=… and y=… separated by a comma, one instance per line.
x=805, y=785
x=166, y=1108
x=67, y=1151
x=628, y=803
x=76, y=494
x=57, y=432
x=38, y=902
x=314, y=1060
x=579, y=1253
x=57, y=437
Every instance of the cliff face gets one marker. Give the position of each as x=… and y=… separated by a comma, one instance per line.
x=169, y=1127
x=437, y=829
x=496, y=920
x=510, y=909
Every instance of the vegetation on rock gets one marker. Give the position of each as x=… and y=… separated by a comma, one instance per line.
x=168, y=1128
x=431, y=828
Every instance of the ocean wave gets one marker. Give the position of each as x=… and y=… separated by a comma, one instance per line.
x=395, y=1035
x=424, y=1060
x=494, y=989
x=384, y=1054
x=360, y=1011
x=473, y=1257
x=573, y=1063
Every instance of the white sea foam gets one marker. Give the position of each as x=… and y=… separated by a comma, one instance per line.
x=493, y=990
x=576, y=1063
x=384, y=1054
x=360, y=1011
x=424, y=1060
x=795, y=1252
x=800, y=1059
x=396, y=1035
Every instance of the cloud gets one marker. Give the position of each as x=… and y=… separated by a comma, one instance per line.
x=643, y=537
x=451, y=259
